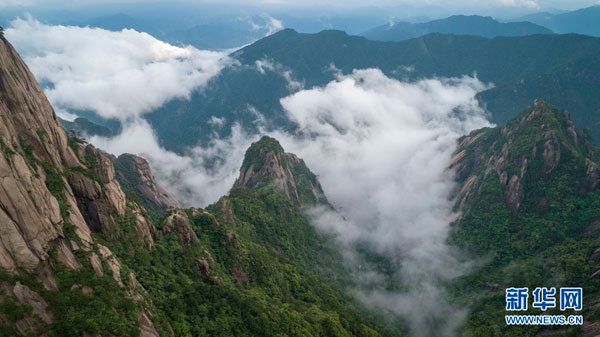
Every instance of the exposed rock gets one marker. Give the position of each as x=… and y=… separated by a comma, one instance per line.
x=266, y=163
x=514, y=195
x=493, y=286
x=65, y=255
x=178, y=221
x=457, y=158
x=551, y=152
x=592, y=177
x=596, y=255
x=76, y=219
x=113, y=263
x=30, y=323
x=145, y=229
x=591, y=329
x=539, y=138
x=46, y=276
x=135, y=285
x=466, y=190
x=239, y=275
x=146, y=327
x=203, y=266
x=33, y=299
x=135, y=172
x=96, y=264
x=84, y=289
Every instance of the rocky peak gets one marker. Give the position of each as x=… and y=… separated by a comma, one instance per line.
x=266, y=163
x=134, y=173
x=535, y=145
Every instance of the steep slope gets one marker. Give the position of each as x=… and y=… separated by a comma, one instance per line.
x=529, y=200
x=561, y=68
x=457, y=24
x=59, y=206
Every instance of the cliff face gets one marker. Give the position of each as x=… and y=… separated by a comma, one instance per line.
x=266, y=162
x=55, y=193
x=134, y=173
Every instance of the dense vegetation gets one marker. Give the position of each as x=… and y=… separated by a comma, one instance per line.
x=259, y=269
x=550, y=242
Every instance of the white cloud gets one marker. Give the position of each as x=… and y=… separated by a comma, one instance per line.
x=270, y=24
x=198, y=178
x=116, y=74
x=123, y=75
x=264, y=65
x=381, y=148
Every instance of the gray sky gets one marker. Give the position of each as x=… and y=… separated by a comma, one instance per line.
x=456, y=4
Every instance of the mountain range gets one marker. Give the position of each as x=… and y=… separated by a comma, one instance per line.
x=561, y=68
x=458, y=25
x=582, y=21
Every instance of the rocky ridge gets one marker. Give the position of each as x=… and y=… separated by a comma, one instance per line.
x=55, y=193
x=531, y=146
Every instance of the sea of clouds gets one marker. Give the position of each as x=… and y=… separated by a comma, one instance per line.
x=379, y=146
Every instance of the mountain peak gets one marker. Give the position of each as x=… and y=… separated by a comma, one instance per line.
x=266, y=163
x=540, y=144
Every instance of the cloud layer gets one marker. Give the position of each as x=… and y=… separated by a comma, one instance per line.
x=381, y=148
x=119, y=75
x=123, y=75
x=198, y=178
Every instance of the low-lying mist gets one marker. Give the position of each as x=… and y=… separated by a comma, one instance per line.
x=381, y=148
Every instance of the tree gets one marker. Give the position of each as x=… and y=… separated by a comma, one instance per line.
x=1, y=31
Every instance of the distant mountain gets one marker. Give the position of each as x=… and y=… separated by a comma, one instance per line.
x=82, y=127
x=215, y=36
x=563, y=68
x=584, y=21
x=458, y=24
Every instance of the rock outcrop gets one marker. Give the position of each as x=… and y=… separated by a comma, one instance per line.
x=178, y=221
x=134, y=173
x=266, y=163
x=533, y=146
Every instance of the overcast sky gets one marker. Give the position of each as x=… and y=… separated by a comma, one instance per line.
x=455, y=4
